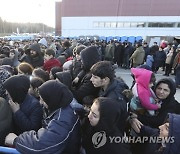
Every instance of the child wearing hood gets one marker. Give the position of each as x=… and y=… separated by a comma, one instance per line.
x=144, y=98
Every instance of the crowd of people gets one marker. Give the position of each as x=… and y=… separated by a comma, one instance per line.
x=62, y=96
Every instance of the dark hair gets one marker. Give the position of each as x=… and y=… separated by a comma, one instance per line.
x=50, y=52
x=36, y=82
x=139, y=44
x=171, y=85
x=109, y=113
x=66, y=44
x=153, y=78
x=78, y=49
x=55, y=70
x=103, y=69
x=39, y=72
x=12, y=50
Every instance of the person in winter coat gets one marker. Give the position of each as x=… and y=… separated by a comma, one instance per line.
x=67, y=50
x=109, y=51
x=165, y=90
x=89, y=56
x=27, y=111
x=76, y=68
x=166, y=137
x=100, y=126
x=150, y=60
x=169, y=60
x=60, y=131
x=176, y=66
x=138, y=56
x=103, y=76
x=13, y=54
x=50, y=60
x=144, y=98
x=5, y=120
x=35, y=57
x=65, y=78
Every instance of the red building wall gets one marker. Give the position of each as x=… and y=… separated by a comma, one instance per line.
x=72, y=8
x=120, y=8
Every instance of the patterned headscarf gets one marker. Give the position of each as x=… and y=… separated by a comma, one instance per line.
x=4, y=74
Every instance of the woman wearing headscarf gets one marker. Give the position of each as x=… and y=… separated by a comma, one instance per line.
x=101, y=125
x=60, y=131
x=165, y=90
x=82, y=85
x=27, y=111
x=4, y=75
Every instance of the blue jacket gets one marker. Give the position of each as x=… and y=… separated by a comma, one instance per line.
x=29, y=116
x=174, y=131
x=59, y=135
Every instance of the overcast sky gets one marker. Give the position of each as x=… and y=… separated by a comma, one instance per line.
x=41, y=11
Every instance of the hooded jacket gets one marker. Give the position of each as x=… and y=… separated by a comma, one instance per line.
x=114, y=91
x=174, y=131
x=5, y=120
x=57, y=95
x=29, y=116
x=60, y=131
x=65, y=78
x=142, y=78
x=89, y=57
x=18, y=87
x=107, y=127
x=36, y=61
x=169, y=105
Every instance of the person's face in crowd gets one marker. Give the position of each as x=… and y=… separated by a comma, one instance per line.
x=33, y=53
x=33, y=91
x=47, y=57
x=162, y=91
x=164, y=130
x=94, y=114
x=16, y=45
x=151, y=84
x=11, y=55
x=160, y=49
x=97, y=81
x=144, y=45
x=78, y=57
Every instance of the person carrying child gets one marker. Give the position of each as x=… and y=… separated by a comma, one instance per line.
x=144, y=98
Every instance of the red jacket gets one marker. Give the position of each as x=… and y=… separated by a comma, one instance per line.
x=51, y=63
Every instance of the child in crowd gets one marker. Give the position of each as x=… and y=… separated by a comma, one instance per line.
x=35, y=83
x=26, y=69
x=144, y=98
x=50, y=60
